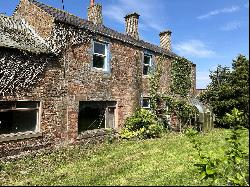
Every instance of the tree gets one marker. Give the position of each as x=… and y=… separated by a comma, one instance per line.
x=228, y=90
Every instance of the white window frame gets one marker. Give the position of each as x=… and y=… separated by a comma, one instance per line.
x=38, y=114
x=105, y=66
x=148, y=65
x=142, y=104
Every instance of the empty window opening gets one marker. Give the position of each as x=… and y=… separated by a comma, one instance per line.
x=96, y=115
x=20, y=116
x=146, y=102
x=100, y=56
x=147, y=64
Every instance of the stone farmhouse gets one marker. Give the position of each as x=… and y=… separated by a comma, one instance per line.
x=64, y=79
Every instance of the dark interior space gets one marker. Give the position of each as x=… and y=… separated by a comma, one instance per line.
x=17, y=121
x=91, y=118
x=18, y=117
x=95, y=115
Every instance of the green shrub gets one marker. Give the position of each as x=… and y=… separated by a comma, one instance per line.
x=235, y=119
x=143, y=124
x=232, y=167
x=154, y=130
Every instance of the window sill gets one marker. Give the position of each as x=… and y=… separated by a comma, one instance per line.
x=98, y=69
x=106, y=74
x=95, y=133
x=19, y=136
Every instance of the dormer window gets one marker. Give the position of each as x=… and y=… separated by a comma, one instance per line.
x=100, y=56
x=147, y=64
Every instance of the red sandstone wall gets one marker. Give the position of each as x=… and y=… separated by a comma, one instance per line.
x=70, y=79
x=49, y=91
x=123, y=84
x=41, y=21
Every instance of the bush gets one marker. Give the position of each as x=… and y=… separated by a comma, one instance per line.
x=232, y=167
x=143, y=124
x=235, y=119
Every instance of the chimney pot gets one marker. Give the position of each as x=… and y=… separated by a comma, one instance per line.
x=165, y=40
x=92, y=2
x=132, y=21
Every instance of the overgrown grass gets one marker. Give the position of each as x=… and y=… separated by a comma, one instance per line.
x=164, y=161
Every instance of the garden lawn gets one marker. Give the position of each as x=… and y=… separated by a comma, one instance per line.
x=164, y=161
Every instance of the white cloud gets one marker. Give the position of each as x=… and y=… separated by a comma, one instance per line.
x=231, y=26
x=194, y=48
x=202, y=79
x=114, y=12
x=220, y=11
x=151, y=13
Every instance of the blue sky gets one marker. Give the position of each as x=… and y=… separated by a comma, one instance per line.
x=207, y=32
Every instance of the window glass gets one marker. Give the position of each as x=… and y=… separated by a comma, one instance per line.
x=24, y=121
x=15, y=119
x=98, y=61
x=6, y=105
x=99, y=48
x=26, y=104
x=145, y=70
x=96, y=115
x=146, y=64
x=100, y=56
x=146, y=103
x=147, y=60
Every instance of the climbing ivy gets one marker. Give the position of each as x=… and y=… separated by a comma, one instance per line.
x=154, y=85
x=181, y=76
x=176, y=100
x=184, y=111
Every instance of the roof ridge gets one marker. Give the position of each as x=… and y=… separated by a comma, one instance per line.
x=42, y=4
x=66, y=17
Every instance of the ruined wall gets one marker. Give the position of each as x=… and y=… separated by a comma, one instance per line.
x=42, y=22
x=85, y=83
x=61, y=82
x=33, y=78
x=18, y=71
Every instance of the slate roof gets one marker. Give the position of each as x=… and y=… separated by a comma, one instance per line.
x=16, y=33
x=65, y=17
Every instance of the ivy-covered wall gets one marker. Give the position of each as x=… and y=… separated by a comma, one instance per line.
x=182, y=78
x=19, y=71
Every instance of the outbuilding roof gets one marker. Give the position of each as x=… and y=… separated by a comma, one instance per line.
x=16, y=33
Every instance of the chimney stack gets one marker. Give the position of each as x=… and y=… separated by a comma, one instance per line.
x=95, y=13
x=165, y=40
x=132, y=21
